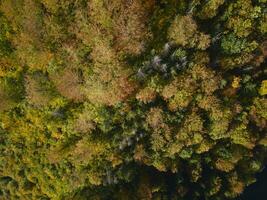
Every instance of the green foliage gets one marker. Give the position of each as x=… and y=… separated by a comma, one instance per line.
x=39, y=90
x=140, y=99
x=5, y=32
x=11, y=92
x=210, y=9
x=240, y=17
x=232, y=45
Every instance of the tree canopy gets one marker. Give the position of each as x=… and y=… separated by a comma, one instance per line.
x=132, y=99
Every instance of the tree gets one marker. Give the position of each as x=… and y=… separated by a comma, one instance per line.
x=184, y=31
x=105, y=99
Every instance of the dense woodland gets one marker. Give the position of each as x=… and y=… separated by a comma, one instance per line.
x=132, y=99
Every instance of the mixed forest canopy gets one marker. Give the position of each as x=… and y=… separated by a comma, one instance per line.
x=132, y=99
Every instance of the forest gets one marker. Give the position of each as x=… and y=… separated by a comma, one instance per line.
x=132, y=99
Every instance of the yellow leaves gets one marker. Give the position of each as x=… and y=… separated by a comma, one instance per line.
x=193, y=123
x=155, y=118
x=236, y=82
x=224, y=165
x=160, y=165
x=115, y=160
x=103, y=54
x=184, y=32
x=146, y=95
x=191, y=130
x=174, y=148
x=57, y=135
x=263, y=88
x=196, y=139
x=140, y=154
x=179, y=92
x=260, y=104
x=52, y=5
x=263, y=142
x=109, y=83
x=180, y=100
x=169, y=90
x=83, y=124
x=85, y=150
x=195, y=173
x=9, y=67
x=161, y=132
x=233, y=61
x=240, y=135
x=203, y=41
x=242, y=16
x=210, y=8
x=89, y=43
x=242, y=27
x=30, y=128
x=258, y=112
x=204, y=146
x=221, y=119
x=216, y=183
x=236, y=186
x=99, y=14
x=209, y=103
x=200, y=82
x=35, y=59
x=94, y=178
x=201, y=72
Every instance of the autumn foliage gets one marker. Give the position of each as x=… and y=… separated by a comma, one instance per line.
x=132, y=99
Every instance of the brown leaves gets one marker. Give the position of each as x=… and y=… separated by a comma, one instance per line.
x=5, y=100
x=84, y=124
x=140, y=155
x=131, y=26
x=68, y=84
x=108, y=93
x=37, y=92
x=258, y=112
x=146, y=95
x=109, y=83
x=155, y=118
x=224, y=165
